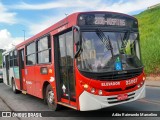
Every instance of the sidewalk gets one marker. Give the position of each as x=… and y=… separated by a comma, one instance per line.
x=3, y=106
x=153, y=81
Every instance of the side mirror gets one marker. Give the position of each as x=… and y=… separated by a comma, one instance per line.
x=77, y=39
x=76, y=34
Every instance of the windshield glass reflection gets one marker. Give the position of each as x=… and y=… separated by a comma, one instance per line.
x=101, y=53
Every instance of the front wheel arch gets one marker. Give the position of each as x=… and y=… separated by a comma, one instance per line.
x=45, y=84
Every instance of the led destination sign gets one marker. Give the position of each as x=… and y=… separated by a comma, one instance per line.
x=107, y=19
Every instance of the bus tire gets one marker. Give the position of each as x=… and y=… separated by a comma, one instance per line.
x=51, y=99
x=14, y=87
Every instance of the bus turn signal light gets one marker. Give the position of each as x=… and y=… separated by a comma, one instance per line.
x=85, y=86
x=90, y=89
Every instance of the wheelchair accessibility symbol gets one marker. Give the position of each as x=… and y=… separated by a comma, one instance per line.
x=118, y=66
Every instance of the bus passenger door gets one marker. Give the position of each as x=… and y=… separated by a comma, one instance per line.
x=64, y=68
x=7, y=68
x=22, y=70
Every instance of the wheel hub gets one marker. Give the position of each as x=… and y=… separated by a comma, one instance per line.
x=51, y=97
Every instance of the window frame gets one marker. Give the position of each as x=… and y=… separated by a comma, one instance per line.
x=15, y=58
x=49, y=49
x=11, y=59
x=34, y=53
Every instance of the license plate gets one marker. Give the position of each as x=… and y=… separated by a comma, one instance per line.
x=122, y=97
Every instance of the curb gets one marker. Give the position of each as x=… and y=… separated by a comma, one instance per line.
x=153, y=85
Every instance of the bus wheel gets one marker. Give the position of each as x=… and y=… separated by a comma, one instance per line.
x=14, y=87
x=50, y=98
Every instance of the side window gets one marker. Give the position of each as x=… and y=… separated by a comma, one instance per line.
x=4, y=62
x=30, y=54
x=44, y=50
x=15, y=62
x=11, y=59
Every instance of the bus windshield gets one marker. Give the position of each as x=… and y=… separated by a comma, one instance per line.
x=101, y=50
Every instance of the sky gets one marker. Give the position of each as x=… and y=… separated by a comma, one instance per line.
x=32, y=16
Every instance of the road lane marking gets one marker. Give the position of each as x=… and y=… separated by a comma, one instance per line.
x=150, y=101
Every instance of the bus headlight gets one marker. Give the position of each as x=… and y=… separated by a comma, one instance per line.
x=100, y=92
x=93, y=90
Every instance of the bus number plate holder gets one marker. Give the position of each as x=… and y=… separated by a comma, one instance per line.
x=122, y=97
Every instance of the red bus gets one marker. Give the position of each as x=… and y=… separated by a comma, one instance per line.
x=87, y=61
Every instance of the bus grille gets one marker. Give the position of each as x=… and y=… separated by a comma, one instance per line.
x=119, y=89
x=123, y=76
x=115, y=75
x=113, y=100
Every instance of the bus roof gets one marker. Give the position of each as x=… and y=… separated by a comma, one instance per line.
x=7, y=51
x=70, y=20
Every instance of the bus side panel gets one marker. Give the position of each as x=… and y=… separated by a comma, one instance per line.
x=24, y=87
x=42, y=78
x=30, y=79
x=38, y=82
x=53, y=74
x=17, y=83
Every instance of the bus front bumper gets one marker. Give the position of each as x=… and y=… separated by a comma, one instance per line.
x=90, y=101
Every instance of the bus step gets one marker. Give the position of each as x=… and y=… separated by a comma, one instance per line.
x=24, y=92
x=67, y=105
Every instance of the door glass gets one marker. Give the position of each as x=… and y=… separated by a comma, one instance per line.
x=63, y=72
x=7, y=69
x=69, y=48
x=66, y=66
x=21, y=67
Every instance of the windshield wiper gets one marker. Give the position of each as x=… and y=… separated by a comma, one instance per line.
x=105, y=40
x=124, y=41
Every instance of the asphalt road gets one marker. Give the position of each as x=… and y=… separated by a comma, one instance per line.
x=21, y=102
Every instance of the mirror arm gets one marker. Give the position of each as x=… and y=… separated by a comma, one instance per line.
x=77, y=53
x=79, y=40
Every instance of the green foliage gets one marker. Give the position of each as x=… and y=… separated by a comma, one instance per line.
x=149, y=27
